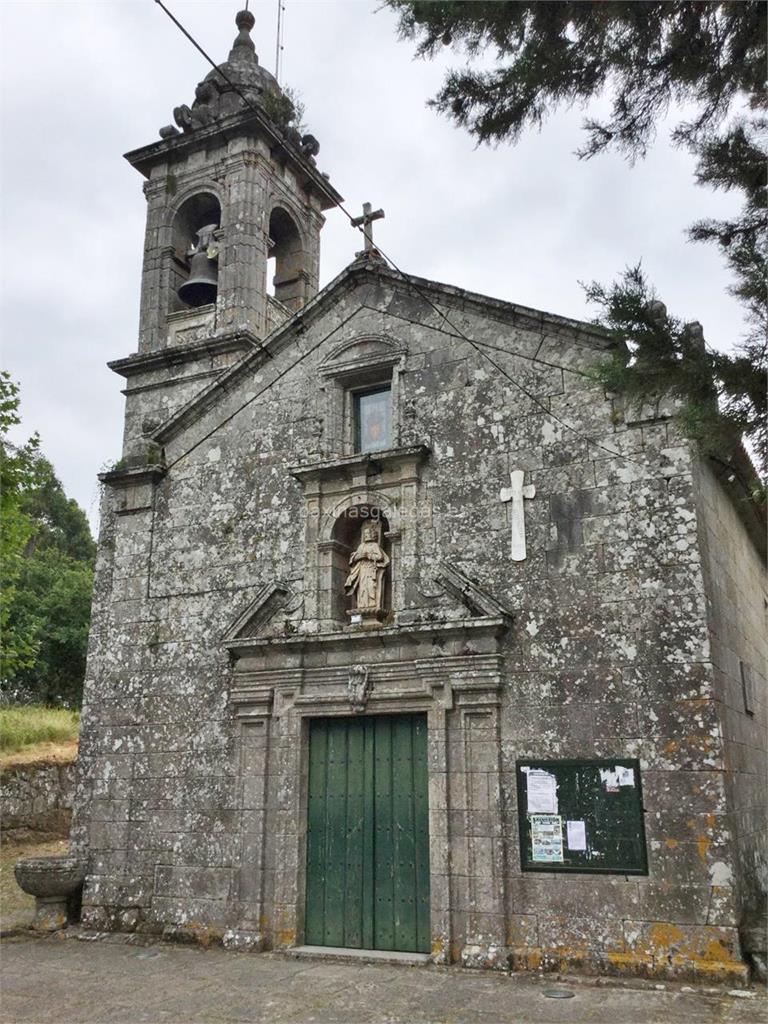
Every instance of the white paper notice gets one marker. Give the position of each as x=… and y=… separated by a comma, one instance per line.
x=547, y=838
x=542, y=792
x=610, y=779
x=577, y=835
x=625, y=776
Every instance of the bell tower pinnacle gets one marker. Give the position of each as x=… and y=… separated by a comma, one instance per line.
x=231, y=187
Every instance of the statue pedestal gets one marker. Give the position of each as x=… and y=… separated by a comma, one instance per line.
x=366, y=620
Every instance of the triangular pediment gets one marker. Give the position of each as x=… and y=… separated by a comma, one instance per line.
x=404, y=297
x=471, y=595
x=274, y=600
x=276, y=610
x=453, y=595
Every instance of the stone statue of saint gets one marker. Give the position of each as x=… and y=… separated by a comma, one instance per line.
x=368, y=566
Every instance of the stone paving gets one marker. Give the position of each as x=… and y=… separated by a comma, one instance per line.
x=115, y=982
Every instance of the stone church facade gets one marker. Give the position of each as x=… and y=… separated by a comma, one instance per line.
x=374, y=557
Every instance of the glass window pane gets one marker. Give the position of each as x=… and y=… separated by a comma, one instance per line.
x=373, y=420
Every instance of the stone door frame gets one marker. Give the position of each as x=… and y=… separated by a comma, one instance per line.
x=460, y=697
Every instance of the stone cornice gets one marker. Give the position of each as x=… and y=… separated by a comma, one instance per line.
x=349, y=464
x=166, y=150
x=165, y=358
x=396, y=685
x=268, y=600
x=500, y=309
x=376, y=637
x=467, y=592
x=133, y=475
x=133, y=487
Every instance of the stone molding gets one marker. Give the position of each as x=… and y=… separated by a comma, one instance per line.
x=250, y=122
x=359, y=362
x=348, y=279
x=351, y=466
x=273, y=707
x=234, y=341
x=405, y=683
x=269, y=600
x=134, y=487
x=376, y=638
x=387, y=480
x=465, y=590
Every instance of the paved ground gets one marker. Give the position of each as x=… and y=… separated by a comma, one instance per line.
x=68, y=981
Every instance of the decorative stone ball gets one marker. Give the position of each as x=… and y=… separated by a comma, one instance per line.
x=245, y=20
x=47, y=877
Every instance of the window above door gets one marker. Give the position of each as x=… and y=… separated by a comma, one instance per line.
x=361, y=384
x=372, y=419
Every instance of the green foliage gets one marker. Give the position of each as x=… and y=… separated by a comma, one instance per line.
x=18, y=474
x=648, y=56
x=286, y=109
x=736, y=160
x=53, y=604
x=47, y=571
x=721, y=397
x=61, y=523
x=27, y=726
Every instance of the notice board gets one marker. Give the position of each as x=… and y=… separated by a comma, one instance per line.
x=584, y=816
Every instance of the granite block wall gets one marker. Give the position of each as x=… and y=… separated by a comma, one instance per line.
x=610, y=653
x=36, y=799
x=737, y=599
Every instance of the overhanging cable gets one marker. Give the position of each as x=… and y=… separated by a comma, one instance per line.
x=456, y=332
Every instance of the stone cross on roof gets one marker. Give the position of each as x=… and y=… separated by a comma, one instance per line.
x=366, y=221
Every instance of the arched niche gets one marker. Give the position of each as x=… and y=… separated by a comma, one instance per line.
x=286, y=271
x=346, y=536
x=197, y=212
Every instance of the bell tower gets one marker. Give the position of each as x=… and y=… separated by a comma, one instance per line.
x=231, y=187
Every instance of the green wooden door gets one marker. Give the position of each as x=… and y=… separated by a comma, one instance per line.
x=368, y=834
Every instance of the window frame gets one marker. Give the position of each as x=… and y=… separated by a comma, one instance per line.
x=356, y=395
x=343, y=381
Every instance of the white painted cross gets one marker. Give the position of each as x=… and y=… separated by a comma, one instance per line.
x=516, y=494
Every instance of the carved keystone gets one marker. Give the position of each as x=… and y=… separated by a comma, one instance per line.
x=359, y=687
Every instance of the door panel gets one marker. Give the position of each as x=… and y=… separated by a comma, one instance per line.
x=368, y=834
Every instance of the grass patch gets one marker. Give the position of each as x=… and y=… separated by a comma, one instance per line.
x=26, y=726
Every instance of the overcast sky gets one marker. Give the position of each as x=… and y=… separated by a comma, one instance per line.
x=84, y=82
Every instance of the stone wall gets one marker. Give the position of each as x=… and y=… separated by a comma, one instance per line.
x=737, y=601
x=240, y=173
x=36, y=798
x=608, y=656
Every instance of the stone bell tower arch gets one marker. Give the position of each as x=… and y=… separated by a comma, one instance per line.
x=234, y=165
x=234, y=195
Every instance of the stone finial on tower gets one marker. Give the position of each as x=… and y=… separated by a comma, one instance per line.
x=218, y=227
x=231, y=88
x=243, y=48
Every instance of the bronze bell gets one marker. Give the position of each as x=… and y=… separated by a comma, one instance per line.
x=201, y=286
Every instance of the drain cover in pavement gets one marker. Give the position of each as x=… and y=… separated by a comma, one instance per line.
x=558, y=993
